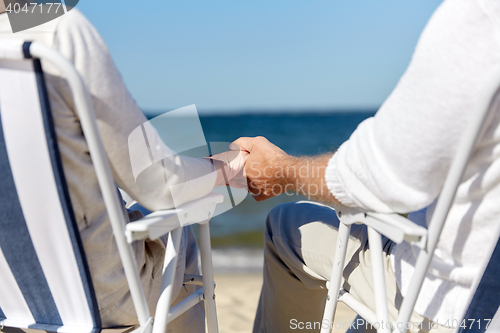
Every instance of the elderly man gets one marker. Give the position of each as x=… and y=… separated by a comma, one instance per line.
x=117, y=116
x=393, y=162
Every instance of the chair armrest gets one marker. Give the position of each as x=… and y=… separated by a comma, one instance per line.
x=161, y=222
x=393, y=226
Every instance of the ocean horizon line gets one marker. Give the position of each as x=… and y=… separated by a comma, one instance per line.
x=269, y=112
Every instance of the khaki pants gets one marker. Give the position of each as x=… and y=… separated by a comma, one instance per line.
x=300, y=241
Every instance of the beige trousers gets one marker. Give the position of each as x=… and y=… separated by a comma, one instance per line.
x=300, y=241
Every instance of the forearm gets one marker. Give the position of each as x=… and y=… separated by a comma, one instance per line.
x=306, y=176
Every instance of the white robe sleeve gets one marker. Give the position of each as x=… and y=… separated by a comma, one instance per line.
x=397, y=161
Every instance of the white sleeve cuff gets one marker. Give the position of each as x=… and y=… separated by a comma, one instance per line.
x=335, y=184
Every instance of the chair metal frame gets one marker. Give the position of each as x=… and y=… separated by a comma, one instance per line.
x=398, y=229
x=153, y=226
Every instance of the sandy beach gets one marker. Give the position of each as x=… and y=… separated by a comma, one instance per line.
x=237, y=297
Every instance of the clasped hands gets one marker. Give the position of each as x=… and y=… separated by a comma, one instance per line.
x=266, y=171
x=255, y=164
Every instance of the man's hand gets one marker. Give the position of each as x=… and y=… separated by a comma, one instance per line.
x=270, y=171
x=264, y=168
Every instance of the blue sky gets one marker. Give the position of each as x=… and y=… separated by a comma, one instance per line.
x=232, y=56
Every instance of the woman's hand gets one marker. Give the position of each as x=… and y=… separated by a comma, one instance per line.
x=230, y=166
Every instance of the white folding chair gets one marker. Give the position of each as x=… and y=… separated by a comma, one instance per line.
x=45, y=283
x=399, y=229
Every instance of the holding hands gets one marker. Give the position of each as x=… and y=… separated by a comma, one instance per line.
x=230, y=167
x=266, y=176
x=268, y=171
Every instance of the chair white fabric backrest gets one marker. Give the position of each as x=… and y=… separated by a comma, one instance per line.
x=45, y=282
x=44, y=277
x=482, y=313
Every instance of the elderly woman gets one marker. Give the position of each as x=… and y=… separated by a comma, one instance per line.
x=117, y=116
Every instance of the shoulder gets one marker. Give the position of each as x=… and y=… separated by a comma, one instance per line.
x=73, y=21
x=76, y=36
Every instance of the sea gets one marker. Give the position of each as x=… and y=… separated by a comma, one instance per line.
x=237, y=234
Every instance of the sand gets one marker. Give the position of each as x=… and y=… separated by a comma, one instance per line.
x=237, y=297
